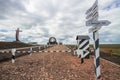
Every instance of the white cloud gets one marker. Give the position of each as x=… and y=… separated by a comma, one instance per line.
x=41, y=19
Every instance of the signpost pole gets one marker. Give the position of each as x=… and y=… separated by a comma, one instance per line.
x=96, y=54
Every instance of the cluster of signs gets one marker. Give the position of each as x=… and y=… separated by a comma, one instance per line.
x=92, y=18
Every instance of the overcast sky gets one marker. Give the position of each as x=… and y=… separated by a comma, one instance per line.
x=63, y=19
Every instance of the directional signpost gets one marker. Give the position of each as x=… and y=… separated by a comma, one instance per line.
x=92, y=20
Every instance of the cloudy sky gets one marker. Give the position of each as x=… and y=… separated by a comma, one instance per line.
x=63, y=19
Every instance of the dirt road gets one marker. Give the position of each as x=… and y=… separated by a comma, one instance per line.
x=56, y=66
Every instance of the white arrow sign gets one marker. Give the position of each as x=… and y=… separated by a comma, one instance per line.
x=94, y=6
x=100, y=23
x=95, y=28
x=92, y=13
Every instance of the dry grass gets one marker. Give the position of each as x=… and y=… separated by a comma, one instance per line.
x=9, y=45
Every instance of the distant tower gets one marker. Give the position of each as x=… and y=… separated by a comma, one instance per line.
x=17, y=34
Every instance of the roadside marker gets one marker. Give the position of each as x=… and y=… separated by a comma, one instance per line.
x=13, y=55
x=31, y=51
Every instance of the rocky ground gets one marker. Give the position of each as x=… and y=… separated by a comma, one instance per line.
x=56, y=66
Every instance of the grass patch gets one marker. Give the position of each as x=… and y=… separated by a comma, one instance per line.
x=113, y=46
x=9, y=45
x=110, y=48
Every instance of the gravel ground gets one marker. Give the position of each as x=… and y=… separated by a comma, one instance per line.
x=56, y=66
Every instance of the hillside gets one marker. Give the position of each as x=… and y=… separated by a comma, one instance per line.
x=8, y=45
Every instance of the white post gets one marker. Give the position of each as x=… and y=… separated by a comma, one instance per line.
x=43, y=46
x=13, y=55
x=31, y=51
x=39, y=48
x=47, y=46
x=96, y=54
x=81, y=53
x=78, y=43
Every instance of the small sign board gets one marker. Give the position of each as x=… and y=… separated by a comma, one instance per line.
x=99, y=23
x=95, y=28
x=93, y=13
x=92, y=8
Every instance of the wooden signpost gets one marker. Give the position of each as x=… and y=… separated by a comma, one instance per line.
x=92, y=20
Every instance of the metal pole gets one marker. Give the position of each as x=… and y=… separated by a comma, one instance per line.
x=96, y=54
